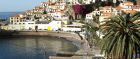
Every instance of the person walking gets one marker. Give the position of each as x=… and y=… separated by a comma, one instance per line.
x=36, y=28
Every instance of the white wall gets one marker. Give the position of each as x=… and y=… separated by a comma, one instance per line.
x=54, y=24
x=71, y=29
x=89, y=16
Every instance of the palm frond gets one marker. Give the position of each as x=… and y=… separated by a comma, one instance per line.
x=122, y=36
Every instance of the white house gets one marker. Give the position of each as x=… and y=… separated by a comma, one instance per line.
x=45, y=4
x=89, y=16
x=69, y=28
x=128, y=7
x=88, y=1
x=73, y=27
x=30, y=25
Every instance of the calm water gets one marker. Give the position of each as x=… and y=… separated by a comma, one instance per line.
x=6, y=15
x=33, y=47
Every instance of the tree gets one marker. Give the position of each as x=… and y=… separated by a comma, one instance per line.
x=122, y=36
x=91, y=29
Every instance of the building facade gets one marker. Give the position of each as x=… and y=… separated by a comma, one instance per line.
x=138, y=3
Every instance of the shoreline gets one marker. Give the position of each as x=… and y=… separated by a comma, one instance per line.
x=70, y=36
x=82, y=45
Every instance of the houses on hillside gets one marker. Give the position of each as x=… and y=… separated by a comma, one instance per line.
x=52, y=15
x=104, y=13
x=48, y=15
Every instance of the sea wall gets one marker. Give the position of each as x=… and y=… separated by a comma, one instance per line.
x=70, y=36
x=46, y=33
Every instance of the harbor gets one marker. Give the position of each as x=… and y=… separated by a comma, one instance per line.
x=70, y=29
x=74, y=38
x=34, y=47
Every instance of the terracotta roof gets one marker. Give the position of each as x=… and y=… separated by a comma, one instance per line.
x=52, y=5
x=128, y=2
x=119, y=8
x=18, y=15
x=129, y=5
x=45, y=2
x=38, y=9
x=37, y=13
x=130, y=11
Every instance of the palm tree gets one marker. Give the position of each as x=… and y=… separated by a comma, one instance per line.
x=122, y=36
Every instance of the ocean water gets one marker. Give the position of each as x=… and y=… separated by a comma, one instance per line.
x=33, y=47
x=6, y=15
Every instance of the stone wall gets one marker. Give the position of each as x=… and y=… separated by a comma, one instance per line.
x=74, y=57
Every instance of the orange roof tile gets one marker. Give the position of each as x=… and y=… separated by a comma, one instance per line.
x=128, y=2
x=130, y=11
x=45, y=2
x=119, y=8
x=18, y=15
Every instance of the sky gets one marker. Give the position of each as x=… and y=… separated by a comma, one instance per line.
x=18, y=5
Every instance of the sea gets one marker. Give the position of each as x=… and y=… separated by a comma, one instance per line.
x=33, y=47
x=6, y=15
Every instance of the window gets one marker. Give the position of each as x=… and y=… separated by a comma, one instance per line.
x=11, y=21
x=11, y=17
x=30, y=23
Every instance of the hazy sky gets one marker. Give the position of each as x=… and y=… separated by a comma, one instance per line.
x=18, y=5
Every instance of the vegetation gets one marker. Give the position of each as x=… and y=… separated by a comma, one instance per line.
x=122, y=36
x=91, y=28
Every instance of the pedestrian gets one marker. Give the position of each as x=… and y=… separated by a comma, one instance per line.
x=36, y=28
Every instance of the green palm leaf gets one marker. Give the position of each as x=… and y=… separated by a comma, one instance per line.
x=122, y=36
